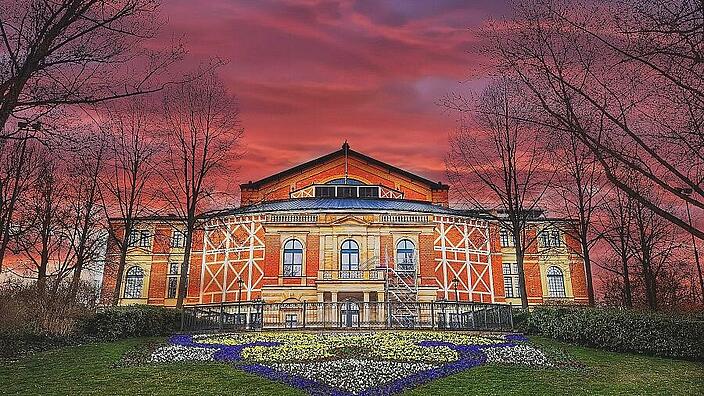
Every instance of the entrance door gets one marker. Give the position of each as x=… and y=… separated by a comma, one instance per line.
x=349, y=314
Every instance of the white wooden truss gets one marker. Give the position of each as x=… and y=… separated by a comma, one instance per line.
x=233, y=249
x=462, y=252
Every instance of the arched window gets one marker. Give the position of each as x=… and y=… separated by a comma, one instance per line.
x=556, y=282
x=349, y=259
x=293, y=258
x=405, y=255
x=134, y=280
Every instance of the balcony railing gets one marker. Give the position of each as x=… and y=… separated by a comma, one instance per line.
x=406, y=219
x=352, y=275
x=406, y=266
x=292, y=218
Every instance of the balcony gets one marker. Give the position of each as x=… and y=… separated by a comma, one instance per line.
x=351, y=275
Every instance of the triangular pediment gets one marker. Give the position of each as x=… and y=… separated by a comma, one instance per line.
x=350, y=219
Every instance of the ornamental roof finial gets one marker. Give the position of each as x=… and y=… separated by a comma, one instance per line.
x=345, y=145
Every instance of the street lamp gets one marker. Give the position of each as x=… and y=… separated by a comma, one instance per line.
x=240, y=282
x=688, y=192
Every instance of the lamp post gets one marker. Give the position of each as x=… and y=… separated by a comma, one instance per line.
x=455, y=282
x=240, y=282
x=688, y=192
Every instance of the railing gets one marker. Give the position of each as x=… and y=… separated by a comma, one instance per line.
x=349, y=315
x=406, y=266
x=292, y=218
x=405, y=219
x=352, y=275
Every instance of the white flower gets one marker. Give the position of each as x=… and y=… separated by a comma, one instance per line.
x=519, y=354
x=353, y=375
x=180, y=353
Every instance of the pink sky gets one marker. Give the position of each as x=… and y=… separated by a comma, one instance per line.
x=310, y=74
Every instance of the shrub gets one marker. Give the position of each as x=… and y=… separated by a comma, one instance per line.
x=15, y=344
x=676, y=336
x=130, y=321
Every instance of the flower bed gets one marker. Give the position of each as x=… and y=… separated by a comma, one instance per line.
x=353, y=363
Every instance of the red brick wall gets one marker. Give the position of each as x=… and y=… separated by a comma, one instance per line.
x=312, y=257
x=272, y=259
x=335, y=168
x=195, y=268
x=427, y=259
x=112, y=260
x=496, y=263
x=386, y=248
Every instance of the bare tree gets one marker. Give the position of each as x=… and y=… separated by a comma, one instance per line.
x=579, y=186
x=626, y=78
x=17, y=165
x=202, y=129
x=654, y=245
x=129, y=168
x=616, y=228
x=85, y=217
x=503, y=161
x=55, y=53
x=44, y=239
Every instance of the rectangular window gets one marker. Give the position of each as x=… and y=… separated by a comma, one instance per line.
x=144, y=238
x=550, y=238
x=172, y=280
x=325, y=192
x=291, y=320
x=347, y=192
x=133, y=239
x=172, y=288
x=511, y=287
x=369, y=192
x=505, y=238
x=177, y=239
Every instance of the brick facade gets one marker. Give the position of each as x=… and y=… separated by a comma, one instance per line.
x=458, y=256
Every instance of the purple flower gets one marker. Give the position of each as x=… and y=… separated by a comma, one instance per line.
x=516, y=337
x=469, y=356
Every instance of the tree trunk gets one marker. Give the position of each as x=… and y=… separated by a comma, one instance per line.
x=627, y=294
x=518, y=244
x=587, y=269
x=185, y=264
x=120, y=271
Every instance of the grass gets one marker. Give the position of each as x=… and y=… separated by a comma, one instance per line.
x=86, y=370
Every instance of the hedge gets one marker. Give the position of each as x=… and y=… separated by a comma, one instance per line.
x=675, y=336
x=130, y=321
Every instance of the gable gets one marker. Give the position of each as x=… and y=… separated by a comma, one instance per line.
x=331, y=168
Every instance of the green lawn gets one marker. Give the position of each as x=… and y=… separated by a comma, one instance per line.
x=87, y=370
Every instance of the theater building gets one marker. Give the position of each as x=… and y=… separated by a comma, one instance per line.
x=344, y=227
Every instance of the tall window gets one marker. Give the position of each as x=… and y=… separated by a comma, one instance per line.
x=177, y=239
x=511, y=288
x=349, y=258
x=172, y=280
x=293, y=258
x=505, y=238
x=556, y=282
x=144, y=239
x=134, y=280
x=133, y=239
x=550, y=238
x=405, y=255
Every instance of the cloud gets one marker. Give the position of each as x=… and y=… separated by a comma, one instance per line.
x=310, y=74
